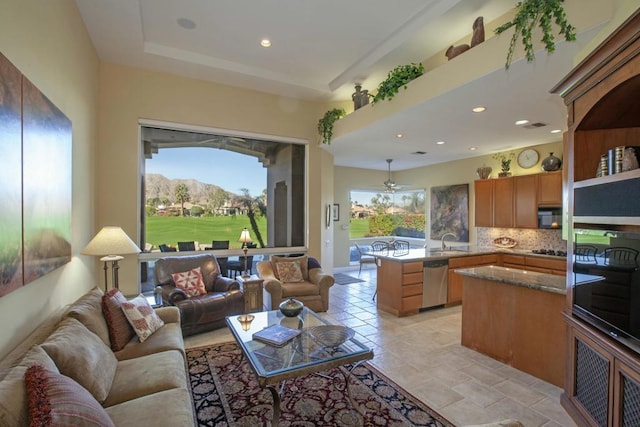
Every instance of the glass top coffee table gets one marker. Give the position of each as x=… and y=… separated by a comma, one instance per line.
x=305, y=354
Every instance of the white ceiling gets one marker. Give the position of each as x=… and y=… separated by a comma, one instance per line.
x=321, y=49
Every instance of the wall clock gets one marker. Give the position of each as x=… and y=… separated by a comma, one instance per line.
x=528, y=158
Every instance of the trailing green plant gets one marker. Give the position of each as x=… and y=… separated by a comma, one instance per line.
x=398, y=77
x=541, y=13
x=325, y=124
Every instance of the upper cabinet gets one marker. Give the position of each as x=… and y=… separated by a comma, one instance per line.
x=602, y=95
x=514, y=201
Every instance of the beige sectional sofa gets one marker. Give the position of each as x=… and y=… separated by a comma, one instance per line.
x=145, y=383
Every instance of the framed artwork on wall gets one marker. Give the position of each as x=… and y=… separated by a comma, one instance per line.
x=450, y=212
x=35, y=182
x=336, y=212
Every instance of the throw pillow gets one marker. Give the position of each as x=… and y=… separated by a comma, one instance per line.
x=120, y=331
x=88, y=310
x=57, y=400
x=142, y=317
x=303, y=260
x=289, y=271
x=190, y=282
x=80, y=354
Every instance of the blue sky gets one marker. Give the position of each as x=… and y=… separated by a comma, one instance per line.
x=229, y=170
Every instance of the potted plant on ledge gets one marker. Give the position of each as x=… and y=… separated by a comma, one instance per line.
x=505, y=163
x=542, y=13
x=325, y=124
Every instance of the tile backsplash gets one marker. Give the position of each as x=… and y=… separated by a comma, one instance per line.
x=526, y=238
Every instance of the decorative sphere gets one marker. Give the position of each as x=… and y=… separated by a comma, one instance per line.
x=291, y=307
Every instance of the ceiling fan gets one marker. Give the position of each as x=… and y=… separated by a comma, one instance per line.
x=390, y=185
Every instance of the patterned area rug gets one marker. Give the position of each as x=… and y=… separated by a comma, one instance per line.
x=345, y=279
x=226, y=392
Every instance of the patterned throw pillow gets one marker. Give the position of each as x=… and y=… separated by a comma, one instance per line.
x=289, y=271
x=56, y=400
x=120, y=331
x=190, y=282
x=142, y=317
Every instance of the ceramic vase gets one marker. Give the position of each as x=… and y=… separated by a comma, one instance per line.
x=291, y=307
x=484, y=172
x=551, y=163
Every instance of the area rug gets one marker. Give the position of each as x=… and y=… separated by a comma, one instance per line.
x=345, y=279
x=226, y=393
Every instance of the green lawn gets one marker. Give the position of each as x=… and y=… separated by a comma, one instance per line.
x=358, y=228
x=171, y=229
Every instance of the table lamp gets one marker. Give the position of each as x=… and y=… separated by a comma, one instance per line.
x=111, y=243
x=245, y=238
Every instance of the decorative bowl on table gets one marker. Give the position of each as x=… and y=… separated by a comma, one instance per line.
x=331, y=335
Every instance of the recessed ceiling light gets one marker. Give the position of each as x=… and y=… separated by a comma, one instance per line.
x=473, y=148
x=556, y=131
x=186, y=23
x=399, y=135
x=521, y=122
x=265, y=43
x=441, y=142
x=479, y=109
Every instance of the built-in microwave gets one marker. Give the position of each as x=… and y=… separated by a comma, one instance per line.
x=550, y=217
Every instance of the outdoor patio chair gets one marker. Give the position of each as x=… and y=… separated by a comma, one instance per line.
x=223, y=261
x=364, y=259
x=186, y=246
x=165, y=248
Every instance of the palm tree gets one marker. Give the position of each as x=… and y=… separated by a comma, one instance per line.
x=255, y=207
x=182, y=195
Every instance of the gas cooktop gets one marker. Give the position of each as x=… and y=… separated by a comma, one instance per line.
x=549, y=252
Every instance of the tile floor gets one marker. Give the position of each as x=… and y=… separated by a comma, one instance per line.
x=422, y=353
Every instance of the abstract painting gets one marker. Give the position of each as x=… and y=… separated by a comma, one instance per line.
x=10, y=177
x=450, y=212
x=35, y=182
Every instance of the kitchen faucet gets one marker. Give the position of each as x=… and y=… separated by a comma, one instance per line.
x=444, y=246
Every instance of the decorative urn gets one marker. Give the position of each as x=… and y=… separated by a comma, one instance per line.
x=291, y=307
x=551, y=163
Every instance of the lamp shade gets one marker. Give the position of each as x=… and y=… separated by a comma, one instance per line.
x=245, y=237
x=111, y=241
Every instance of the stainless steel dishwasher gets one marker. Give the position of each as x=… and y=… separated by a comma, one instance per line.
x=435, y=282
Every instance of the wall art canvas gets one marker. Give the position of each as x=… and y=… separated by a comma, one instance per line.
x=450, y=212
x=46, y=162
x=10, y=178
x=35, y=182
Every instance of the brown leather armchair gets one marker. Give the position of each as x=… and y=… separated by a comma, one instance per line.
x=313, y=291
x=206, y=312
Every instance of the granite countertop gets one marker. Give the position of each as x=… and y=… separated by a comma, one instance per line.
x=512, y=276
x=425, y=254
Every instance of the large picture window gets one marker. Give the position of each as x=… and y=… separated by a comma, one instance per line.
x=202, y=187
x=377, y=214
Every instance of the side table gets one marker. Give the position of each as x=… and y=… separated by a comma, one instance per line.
x=252, y=289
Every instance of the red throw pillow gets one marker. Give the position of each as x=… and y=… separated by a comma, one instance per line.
x=56, y=400
x=120, y=330
x=190, y=282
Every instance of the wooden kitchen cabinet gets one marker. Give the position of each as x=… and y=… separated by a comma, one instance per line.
x=399, y=297
x=526, y=201
x=514, y=201
x=538, y=264
x=454, y=289
x=550, y=189
x=503, y=202
x=484, y=202
x=601, y=94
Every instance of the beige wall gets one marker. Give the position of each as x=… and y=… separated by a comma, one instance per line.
x=450, y=173
x=47, y=42
x=128, y=95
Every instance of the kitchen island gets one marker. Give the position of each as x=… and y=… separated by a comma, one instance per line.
x=515, y=316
